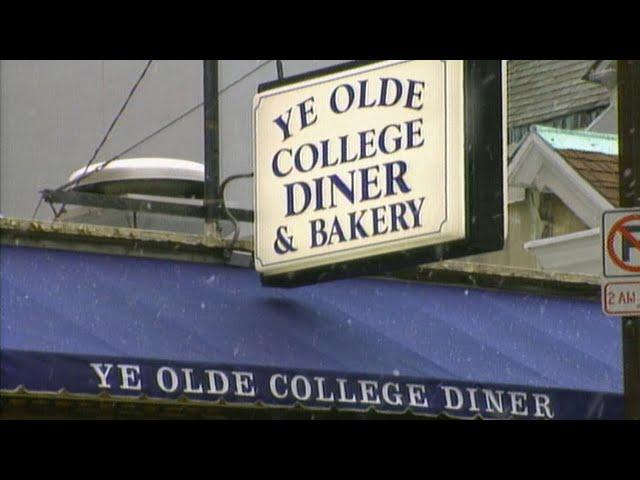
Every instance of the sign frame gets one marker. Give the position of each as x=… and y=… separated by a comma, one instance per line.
x=485, y=180
x=611, y=279
x=606, y=307
x=605, y=234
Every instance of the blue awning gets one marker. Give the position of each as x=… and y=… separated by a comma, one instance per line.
x=90, y=323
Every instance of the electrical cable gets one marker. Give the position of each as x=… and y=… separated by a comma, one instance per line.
x=234, y=220
x=186, y=113
x=119, y=114
x=164, y=127
x=106, y=135
x=132, y=147
x=115, y=120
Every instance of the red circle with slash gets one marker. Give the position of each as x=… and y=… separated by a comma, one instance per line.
x=619, y=227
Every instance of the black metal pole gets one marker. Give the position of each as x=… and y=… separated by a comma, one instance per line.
x=211, y=145
x=629, y=162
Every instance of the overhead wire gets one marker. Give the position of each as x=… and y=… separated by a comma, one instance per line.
x=234, y=220
x=134, y=146
x=186, y=113
x=120, y=112
x=106, y=135
x=164, y=127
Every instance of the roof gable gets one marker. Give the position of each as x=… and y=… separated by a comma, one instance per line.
x=593, y=155
x=585, y=181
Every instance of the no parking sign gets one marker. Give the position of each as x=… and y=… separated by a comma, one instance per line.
x=621, y=262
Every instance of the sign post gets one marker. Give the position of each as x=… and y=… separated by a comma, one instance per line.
x=211, y=146
x=629, y=155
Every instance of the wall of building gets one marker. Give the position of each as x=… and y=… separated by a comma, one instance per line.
x=561, y=220
x=523, y=226
x=539, y=215
x=607, y=122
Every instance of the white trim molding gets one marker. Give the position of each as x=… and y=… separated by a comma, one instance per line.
x=578, y=252
x=537, y=164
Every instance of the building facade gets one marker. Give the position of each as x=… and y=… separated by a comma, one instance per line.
x=105, y=314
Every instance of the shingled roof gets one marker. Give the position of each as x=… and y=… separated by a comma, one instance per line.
x=540, y=90
x=600, y=170
x=593, y=155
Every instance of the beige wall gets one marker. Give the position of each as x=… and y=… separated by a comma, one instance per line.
x=537, y=216
x=564, y=221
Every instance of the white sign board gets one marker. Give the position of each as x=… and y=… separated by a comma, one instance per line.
x=359, y=163
x=621, y=262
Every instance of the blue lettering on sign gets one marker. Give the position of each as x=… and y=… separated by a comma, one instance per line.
x=360, y=184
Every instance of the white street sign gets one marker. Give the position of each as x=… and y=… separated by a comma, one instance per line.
x=621, y=262
x=621, y=298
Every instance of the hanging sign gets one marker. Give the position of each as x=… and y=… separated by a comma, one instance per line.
x=621, y=262
x=364, y=168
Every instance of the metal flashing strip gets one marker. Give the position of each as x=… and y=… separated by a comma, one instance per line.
x=578, y=140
